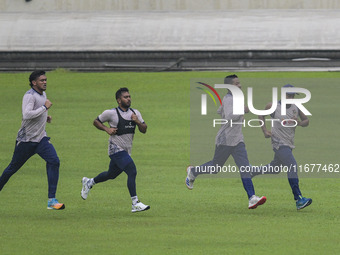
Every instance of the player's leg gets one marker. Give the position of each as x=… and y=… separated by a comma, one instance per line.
x=286, y=156
x=125, y=162
x=113, y=171
x=120, y=162
x=131, y=172
x=240, y=156
x=47, y=152
x=221, y=155
x=284, y=153
x=272, y=168
x=22, y=152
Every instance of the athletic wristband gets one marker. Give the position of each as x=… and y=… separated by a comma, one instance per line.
x=45, y=107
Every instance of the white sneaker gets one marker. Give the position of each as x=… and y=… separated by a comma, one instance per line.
x=189, y=180
x=139, y=207
x=255, y=201
x=86, y=188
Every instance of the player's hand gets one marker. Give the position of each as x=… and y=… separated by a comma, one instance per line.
x=49, y=119
x=112, y=131
x=267, y=133
x=48, y=104
x=135, y=118
x=298, y=121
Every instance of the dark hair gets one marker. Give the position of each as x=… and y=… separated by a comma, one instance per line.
x=35, y=75
x=229, y=79
x=120, y=91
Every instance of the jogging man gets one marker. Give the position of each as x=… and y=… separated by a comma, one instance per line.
x=122, y=123
x=32, y=139
x=282, y=137
x=229, y=141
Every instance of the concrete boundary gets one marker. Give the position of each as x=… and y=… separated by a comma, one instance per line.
x=171, y=60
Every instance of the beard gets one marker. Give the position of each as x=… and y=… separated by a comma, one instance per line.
x=126, y=105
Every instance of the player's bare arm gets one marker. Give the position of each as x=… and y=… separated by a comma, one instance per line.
x=304, y=122
x=101, y=126
x=246, y=109
x=141, y=126
x=262, y=121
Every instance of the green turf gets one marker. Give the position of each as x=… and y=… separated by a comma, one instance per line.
x=211, y=219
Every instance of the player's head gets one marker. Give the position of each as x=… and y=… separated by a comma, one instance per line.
x=34, y=76
x=123, y=97
x=233, y=80
x=290, y=94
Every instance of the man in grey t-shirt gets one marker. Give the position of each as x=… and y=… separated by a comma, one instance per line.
x=282, y=136
x=122, y=123
x=32, y=139
x=229, y=141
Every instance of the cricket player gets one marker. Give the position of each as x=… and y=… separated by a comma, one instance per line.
x=122, y=123
x=229, y=141
x=282, y=138
x=32, y=138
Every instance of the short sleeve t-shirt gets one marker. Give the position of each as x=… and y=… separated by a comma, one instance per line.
x=122, y=142
x=228, y=134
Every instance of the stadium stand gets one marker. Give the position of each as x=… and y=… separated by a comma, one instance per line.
x=169, y=35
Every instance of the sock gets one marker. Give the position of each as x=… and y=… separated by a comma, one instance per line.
x=134, y=200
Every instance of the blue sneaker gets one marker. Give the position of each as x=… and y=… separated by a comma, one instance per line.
x=303, y=202
x=53, y=204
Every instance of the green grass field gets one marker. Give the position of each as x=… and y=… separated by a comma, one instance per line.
x=211, y=219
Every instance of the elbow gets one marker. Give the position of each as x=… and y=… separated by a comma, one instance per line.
x=304, y=123
x=95, y=122
x=25, y=116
